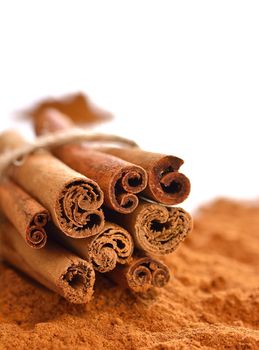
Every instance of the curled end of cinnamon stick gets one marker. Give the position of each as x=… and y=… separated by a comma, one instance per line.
x=128, y=182
x=113, y=245
x=160, y=230
x=76, y=284
x=145, y=273
x=36, y=236
x=166, y=184
x=78, y=210
x=41, y=219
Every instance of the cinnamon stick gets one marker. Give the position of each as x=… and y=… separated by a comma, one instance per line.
x=77, y=106
x=119, y=180
x=27, y=215
x=72, y=199
x=52, y=266
x=156, y=229
x=142, y=274
x=165, y=183
x=111, y=246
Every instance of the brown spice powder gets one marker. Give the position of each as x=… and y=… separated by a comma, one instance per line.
x=212, y=303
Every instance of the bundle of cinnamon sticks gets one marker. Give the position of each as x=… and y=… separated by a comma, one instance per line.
x=79, y=210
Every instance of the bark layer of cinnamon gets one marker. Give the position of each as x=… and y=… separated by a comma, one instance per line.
x=111, y=246
x=156, y=229
x=72, y=199
x=142, y=274
x=77, y=106
x=119, y=180
x=165, y=183
x=52, y=266
x=27, y=215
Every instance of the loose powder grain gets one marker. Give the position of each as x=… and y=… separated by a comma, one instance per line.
x=211, y=303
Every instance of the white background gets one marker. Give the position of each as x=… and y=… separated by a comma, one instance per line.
x=181, y=77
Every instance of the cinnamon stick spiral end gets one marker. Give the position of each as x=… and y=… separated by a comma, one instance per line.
x=159, y=230
x=167, y=185
x=113, y=245
x=76, y=284
x=36, y=235
x=126, y=184
x=78, y=210
x=145, y=273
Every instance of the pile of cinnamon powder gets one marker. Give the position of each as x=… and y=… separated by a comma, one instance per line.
x=211, y=303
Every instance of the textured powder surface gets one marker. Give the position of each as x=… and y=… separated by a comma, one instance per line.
x=211, y=303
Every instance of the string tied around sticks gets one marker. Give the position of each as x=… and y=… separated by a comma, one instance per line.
x=59, y=138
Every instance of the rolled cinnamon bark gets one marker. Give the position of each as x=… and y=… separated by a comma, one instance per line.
x=142, y=274
x=52, y=266
x=165, y=183
x=72, y=199
x=48, y=120
x=27, y=215
x=77, y=106
x=156, y=229
x=111, y=246
x=119, y=180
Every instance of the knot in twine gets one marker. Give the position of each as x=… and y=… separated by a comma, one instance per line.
x=59, y=138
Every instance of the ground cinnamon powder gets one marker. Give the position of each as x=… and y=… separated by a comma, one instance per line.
x=211, y=303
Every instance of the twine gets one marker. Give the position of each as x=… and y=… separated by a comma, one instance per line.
x=56, y=139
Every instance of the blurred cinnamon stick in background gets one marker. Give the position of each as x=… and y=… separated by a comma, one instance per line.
x=77, y=106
